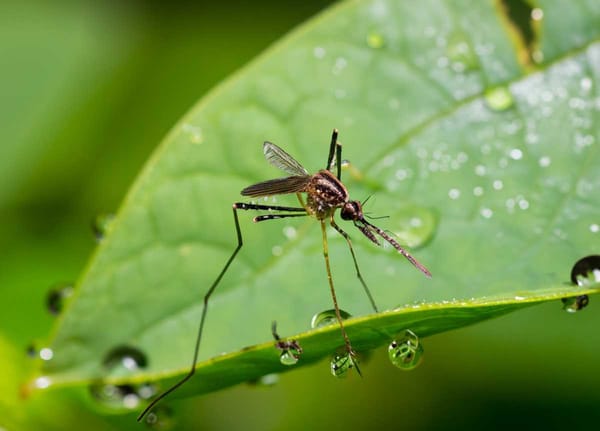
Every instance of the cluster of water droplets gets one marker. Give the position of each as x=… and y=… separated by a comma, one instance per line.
x=123, y=361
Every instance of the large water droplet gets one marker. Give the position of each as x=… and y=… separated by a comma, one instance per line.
x=101, y=225
x=289, y=356
x=406, y=352
x=341, y=363
x=327, y=317
x=586, y=271
x=56, y=296
x=499, y=98
x=123, y=360
x=412, y=225
x=161, y=418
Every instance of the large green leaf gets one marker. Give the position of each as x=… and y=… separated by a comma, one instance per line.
x=484, y=169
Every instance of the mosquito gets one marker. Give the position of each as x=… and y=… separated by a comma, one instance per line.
x=325, y=194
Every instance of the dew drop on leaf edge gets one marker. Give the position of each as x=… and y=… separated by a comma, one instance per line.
x=56, y=297
x=406, y=351
x=327, y=317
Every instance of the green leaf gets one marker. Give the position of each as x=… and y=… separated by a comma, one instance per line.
x=485, y=170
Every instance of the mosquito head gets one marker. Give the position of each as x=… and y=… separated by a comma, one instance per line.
x=352, y=210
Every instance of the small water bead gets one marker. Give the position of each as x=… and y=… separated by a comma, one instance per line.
x=290, y=349
x=319, y=52
x=194, y=133
x=454, y=194
x=544, y=161
x=327, y=317
x=575, y=303
x=123, y=360
x=56, y=297
x=42, y=382
x=586, y=271
x=537, y=14
x=101, y=225
x=594, y=228
x=160, y=418
x=289, y=357
x=46, y=353
x=341, y=363
x=499, y=98
x=406, y=352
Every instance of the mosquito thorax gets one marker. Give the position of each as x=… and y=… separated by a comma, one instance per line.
x=352, y=210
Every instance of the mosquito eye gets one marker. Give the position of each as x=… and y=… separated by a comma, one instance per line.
x=350, y=211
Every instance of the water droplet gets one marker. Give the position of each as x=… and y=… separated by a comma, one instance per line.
x=46, y=354
x=375, y=40
x=406, y=352
x=327, y=317
x=499, y=98
x=341, y=363
x=453, y=193
x=544, y=161
x=480, y=170
x=267, y=380
x=194, y=133
x=31, y=351
x=537, y=14
x=290, y=349
x=277, y=250
x=575, y=303
x=478, y=191
x=290, y=232
x=55, y=299
x=42, y=382
x=160, y=418
x=123, y=360
x=594, y=228
x=319, y=52
x=586, y=271
x=461, y=54
x=516, y=154
x=121, y=397
x=339, y=65
x=289, y=357
x=498, y=185
x=486, y=212
x=101, y=225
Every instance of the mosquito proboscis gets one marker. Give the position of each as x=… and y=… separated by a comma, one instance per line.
x=325, y=194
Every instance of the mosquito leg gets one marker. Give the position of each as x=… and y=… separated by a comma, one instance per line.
x=245, y=207
x=332, y=147
x=338, y=159
x=265, y=217
x=358, y=274
x=333, y=296
x=202, y=318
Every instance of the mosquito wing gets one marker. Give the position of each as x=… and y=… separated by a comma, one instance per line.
x=278, y=186
x=282, y=160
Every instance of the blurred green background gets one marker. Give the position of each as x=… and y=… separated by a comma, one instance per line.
x=88, y=90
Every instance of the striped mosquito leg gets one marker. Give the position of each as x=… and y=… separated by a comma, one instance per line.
x=202, y=319
x=358, y=274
